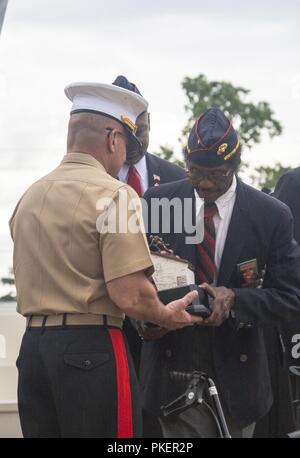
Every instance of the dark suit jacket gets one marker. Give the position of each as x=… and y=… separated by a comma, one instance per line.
x=287, y=190
x=261, y=228
x=160, y=171
x=165, y=170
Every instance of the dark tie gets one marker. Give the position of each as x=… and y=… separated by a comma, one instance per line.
x=134, y=180
x=206, y=250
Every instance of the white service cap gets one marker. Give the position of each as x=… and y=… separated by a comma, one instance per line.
x=113, y=101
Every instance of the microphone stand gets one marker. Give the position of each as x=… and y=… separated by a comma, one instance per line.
x=194, y=393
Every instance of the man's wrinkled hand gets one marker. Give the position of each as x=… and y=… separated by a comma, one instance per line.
x=221, y=306
x=177, y=317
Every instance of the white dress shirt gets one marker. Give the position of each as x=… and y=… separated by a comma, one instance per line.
x=141, y=168
x=225, y=204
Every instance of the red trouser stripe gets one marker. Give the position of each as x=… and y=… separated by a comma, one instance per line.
x=123, y=385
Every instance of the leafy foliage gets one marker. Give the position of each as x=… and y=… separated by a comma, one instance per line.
x=167, y=153
x=267, y=177
x=250, y=119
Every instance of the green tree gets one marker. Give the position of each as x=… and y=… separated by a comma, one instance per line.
x=10, y=281
x=250, y=119
x=167, y=153
x=7, y=281
x=267, y=177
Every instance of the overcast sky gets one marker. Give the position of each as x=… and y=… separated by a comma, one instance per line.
x=45, y=45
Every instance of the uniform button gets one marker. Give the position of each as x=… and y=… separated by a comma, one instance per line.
x=87, y=363
x=168, y=353
x=243, y=358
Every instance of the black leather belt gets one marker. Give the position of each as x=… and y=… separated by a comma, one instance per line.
x=73, y=319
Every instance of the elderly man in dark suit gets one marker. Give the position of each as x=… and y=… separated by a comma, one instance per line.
x=247, y=241
x=143, y=170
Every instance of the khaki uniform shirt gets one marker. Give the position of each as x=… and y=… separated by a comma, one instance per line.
x=61, y=261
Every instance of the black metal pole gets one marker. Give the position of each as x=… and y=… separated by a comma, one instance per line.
x=3, y=5
x=214, y=394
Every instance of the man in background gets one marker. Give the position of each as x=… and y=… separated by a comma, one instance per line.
x=288, y=190
x=141, y=171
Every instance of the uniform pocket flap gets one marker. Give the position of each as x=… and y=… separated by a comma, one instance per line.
x=86, y=361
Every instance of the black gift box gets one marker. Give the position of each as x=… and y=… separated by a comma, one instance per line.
x=200, y=305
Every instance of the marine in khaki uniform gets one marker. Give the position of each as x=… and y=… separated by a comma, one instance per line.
x=77, y=274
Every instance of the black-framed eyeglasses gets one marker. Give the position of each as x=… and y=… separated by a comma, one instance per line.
x=215, y=175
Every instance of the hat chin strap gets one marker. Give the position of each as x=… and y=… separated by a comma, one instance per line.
x=100, y=113
x=130, y=124
x=134, y=143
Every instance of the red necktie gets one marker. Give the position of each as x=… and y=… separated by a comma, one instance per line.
x=134, y=180
x=206, y=250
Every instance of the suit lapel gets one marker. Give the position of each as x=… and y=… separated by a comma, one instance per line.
x=236, y=236
x=190, y=249
x=184, y=190
x=150, y=170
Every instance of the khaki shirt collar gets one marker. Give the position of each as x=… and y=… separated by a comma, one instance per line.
x=82, y=158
